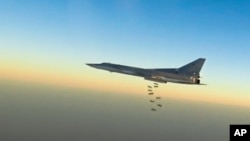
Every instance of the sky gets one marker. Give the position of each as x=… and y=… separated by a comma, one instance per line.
x=50, y=42
x=47, y=44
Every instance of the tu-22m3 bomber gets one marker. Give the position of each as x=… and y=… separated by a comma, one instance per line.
x=187, y=74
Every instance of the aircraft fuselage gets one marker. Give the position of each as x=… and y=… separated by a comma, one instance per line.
x=148, y=74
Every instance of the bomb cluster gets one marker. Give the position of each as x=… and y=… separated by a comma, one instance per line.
x=153, y=98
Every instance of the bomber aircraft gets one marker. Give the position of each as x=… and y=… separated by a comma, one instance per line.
x=187, y=74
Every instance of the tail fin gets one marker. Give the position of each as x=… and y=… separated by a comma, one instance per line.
x=192, y=68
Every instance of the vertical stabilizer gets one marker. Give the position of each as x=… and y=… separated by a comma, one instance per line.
x=192, y=68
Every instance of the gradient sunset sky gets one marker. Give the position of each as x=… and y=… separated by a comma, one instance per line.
x=49, y=41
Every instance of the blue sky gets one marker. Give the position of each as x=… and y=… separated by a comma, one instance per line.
x=130, y=32
x=137, y=28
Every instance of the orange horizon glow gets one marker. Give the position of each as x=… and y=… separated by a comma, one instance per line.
x=96, y=82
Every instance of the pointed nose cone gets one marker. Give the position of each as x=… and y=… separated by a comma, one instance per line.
x=93, y=65
x=90, y=65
